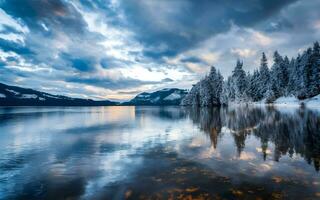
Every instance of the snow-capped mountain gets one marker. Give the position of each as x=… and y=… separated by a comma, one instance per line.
x=18, y=96
x=168, y=96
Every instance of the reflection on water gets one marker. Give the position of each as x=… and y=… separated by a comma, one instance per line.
x=159, y=153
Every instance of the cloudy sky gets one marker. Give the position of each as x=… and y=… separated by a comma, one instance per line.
x=115, y=49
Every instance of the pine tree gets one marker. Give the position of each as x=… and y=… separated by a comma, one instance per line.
x=279, y=76
x=239, y=82
x=315, y=62
x=305, y=72
x=292, y=78
x=254, y=85
x=264, y=78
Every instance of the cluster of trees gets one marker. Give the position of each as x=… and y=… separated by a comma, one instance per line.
x=206, y=92
x=299, y=77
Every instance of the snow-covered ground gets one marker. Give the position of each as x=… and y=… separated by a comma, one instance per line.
x=293, y=101
x=2, y=95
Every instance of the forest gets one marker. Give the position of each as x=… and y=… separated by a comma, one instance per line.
x=298, y=77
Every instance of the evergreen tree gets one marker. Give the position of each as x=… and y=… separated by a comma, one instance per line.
x=315, y=62
x=292, y=78
x=264, y=78
x=239, y=82
x=306, y=75
x=279, y=76
x=254, y=86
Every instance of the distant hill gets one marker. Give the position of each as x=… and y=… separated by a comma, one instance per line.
x=168, y=96
x=18, y=96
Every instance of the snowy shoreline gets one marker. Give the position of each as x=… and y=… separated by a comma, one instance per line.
x=292, y=101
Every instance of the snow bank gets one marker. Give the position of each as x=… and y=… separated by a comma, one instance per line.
x=2, y=95
x=313, y=102
x=293, y=101
x=290, y=101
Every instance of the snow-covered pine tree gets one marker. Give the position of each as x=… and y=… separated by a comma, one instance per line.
x=298, y=74
x=279, y=76
x=216, y=83
x=264, y=78
x=253, y=86
x=291, y=89
x=206, y=92
x=306, y=75
x=230, y=89
x=224, y=98
x=239, y=82
x=193, y=97
x=315, y=62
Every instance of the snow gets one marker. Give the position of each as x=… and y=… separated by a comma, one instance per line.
x=42, y=99
x=29, y=96
x=173, y=96
x=14, y=92
x=2, y=95
x=50, y=96
x=143, y=96
x=293, y=101
x=290, y=100
x=156, y=99
x=313, y=102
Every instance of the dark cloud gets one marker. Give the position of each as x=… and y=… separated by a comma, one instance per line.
x=54, y=14
x=123, y=83
x=8, y=29
x=180, y=24
x=81, y=64
x=191, y=60
x=9, y=46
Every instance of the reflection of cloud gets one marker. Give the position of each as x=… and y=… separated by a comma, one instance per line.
x=264, y=167
x=209, y=153
x=260, y=150
x=247, y=156
x=197, y=142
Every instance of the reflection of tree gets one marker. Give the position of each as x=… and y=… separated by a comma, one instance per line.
x=242, y=121
x=291, y=133
x=165, y=112
x=209, y=121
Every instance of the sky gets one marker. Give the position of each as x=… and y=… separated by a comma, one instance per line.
x=115, y=49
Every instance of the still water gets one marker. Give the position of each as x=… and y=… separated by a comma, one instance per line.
x=159, y=153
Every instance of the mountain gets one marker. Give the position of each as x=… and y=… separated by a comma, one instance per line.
x=18, y=96
x=168, y=96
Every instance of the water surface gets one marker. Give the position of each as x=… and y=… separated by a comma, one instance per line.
x=159, y=153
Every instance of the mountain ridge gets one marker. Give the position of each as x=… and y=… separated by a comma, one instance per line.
x=20, y=96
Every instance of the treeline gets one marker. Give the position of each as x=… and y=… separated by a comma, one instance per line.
x=299, y=77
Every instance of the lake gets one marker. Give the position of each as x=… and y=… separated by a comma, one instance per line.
x=159, y=153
